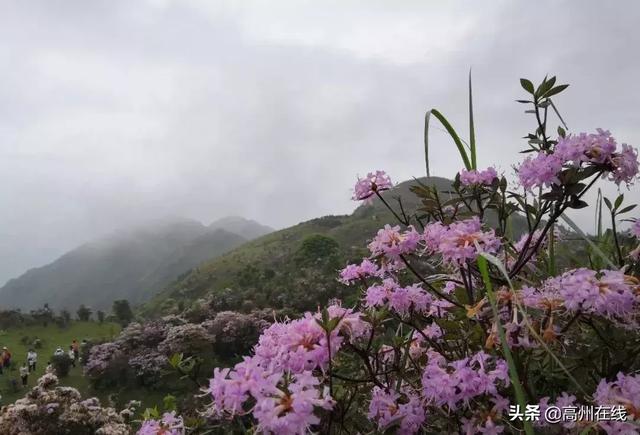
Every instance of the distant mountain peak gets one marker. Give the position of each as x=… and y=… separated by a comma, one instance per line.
x=244, y=227
x=131, y=263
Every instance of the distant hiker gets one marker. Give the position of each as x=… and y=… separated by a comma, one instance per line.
x=59, y=351
x=6, y=357
x=76, y=349
x=32, y=359
x=72, y=356
x=24, y=374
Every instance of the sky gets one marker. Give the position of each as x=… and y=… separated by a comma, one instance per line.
x=116, y=112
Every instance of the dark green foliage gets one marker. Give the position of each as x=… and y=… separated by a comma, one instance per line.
x=61, y=364
x=84, y=313
x=122, y=311
x=317, y=248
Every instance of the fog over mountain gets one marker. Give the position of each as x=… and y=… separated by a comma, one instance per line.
x=130, y=264
x=115, y=112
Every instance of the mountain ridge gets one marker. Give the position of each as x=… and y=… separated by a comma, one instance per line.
x=132, y=263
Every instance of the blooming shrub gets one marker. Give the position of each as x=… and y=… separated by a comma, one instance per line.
x=49, y=409
x=169, y=424
x=457, y=319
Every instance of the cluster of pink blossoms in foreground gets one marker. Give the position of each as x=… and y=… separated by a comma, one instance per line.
x=608, y=293
x=404, y=409
x=368, y=186
x=402, y=300
x=475, y=177
x=279, y=376
x=456, y=383
x=356, y=272
x=457, y=242
x=598, y=148
x=392, y=243
x=460, y=241
x=169, y=424
x=623, y=391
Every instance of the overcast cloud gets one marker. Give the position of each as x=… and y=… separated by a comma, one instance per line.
x=115, y=112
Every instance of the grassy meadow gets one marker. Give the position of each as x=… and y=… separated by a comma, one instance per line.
x=51, y=336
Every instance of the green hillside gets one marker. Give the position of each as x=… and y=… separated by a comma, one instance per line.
x=294, y=267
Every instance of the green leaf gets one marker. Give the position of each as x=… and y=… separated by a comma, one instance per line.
x=554, y=91
x=472, y=134
x=527, y=85
x=627, y=208
x=608, y=203
x=513, y=371
x=545, y=86
x=618, y=202
x=562, y=132
x=452, y=133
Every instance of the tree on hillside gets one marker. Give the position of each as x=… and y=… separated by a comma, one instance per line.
x=100, y=316
x=84, y=313
x=64, y=318
x=122, y=311
x=44, y=314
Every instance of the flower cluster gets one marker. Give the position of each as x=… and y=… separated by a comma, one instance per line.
x=456, y=383
x=474, y=177
x=101, y=356
x=374, y=182
x=625, y=391
x=189, y=339
x=169, y=424
x=460, y=241
x=49, y=408
x=599, y=149
x=392, y=243
x=608, y=293
x=356, y=272
x=405, y=409
x=402, y=300
x=149, y=364
x=279, y=378
x=539, y=171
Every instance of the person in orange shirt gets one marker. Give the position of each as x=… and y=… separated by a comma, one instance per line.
x=76, y=349
x=6, y=357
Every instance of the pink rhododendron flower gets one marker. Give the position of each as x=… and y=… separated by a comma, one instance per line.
x=392, y=243
x=456, y=383
x=625, y=166
x=538, y=171
x=608, y=293
x=372, y=183
x=581, y=148
x=297, y=345
x=625, y=392
x=475, y=177
x=399, y=299
x=463, y=241
x=291, y=410
x=389, y=407
x=379, y=295
x=169, y=424
x=355, y=272
x=351, y=324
